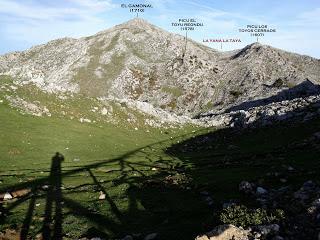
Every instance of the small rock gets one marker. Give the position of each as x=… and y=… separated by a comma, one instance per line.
x=102, y=196
x=278, y=238
x=283, y=180
x=301, y=195
x=309, y=185
x=317, y=135
x=312, y=210
x=151, y=236
x=316, y=203
x=7, y=196
x=257, y=235
x=230, y=203
x=261, y=191
x=290, y=169
x=246, y=187
x=205, y=193
x=128, y=237
x=136, y=235
x=269, y=229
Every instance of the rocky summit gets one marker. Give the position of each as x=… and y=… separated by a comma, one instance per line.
x=141, y=63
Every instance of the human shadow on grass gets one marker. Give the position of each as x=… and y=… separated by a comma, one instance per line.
x=125, y=221
x=54, y=201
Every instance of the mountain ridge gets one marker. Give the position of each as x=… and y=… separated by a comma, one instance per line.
x=138, y=61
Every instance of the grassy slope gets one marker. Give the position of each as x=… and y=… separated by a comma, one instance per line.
x=119, y=160
x=28, y=143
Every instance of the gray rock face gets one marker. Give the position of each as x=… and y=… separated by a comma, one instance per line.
x=137, y=61
x=301, y=109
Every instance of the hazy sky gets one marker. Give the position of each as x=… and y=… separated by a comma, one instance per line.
x=24, y=23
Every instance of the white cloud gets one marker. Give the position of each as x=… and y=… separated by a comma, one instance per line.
x=311, y=16
x=26, y=23
x=97, y=5
x=77, y=9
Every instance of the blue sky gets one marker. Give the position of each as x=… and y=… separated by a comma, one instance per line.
x=24, y=23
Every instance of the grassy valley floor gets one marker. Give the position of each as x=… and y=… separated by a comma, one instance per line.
x=150, y=179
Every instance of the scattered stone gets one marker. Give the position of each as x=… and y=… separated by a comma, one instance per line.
x=246, y=187
x=278, y=238
x=268, y=229
x=151, y=236
x=316, y=203
x=317, y=135
x=309, y=185
x=226, y=232
x=136, y=235
x=283, y=180
x=7, y=196
x=230, y=203
x=290, y=169
x=205, y=193
x=128, y=237
x=261, y=191
x=102, y=196
x=84, y=120
x=209, y=200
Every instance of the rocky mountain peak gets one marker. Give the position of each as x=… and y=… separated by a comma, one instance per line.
x=137, y=22
x=138, y=61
